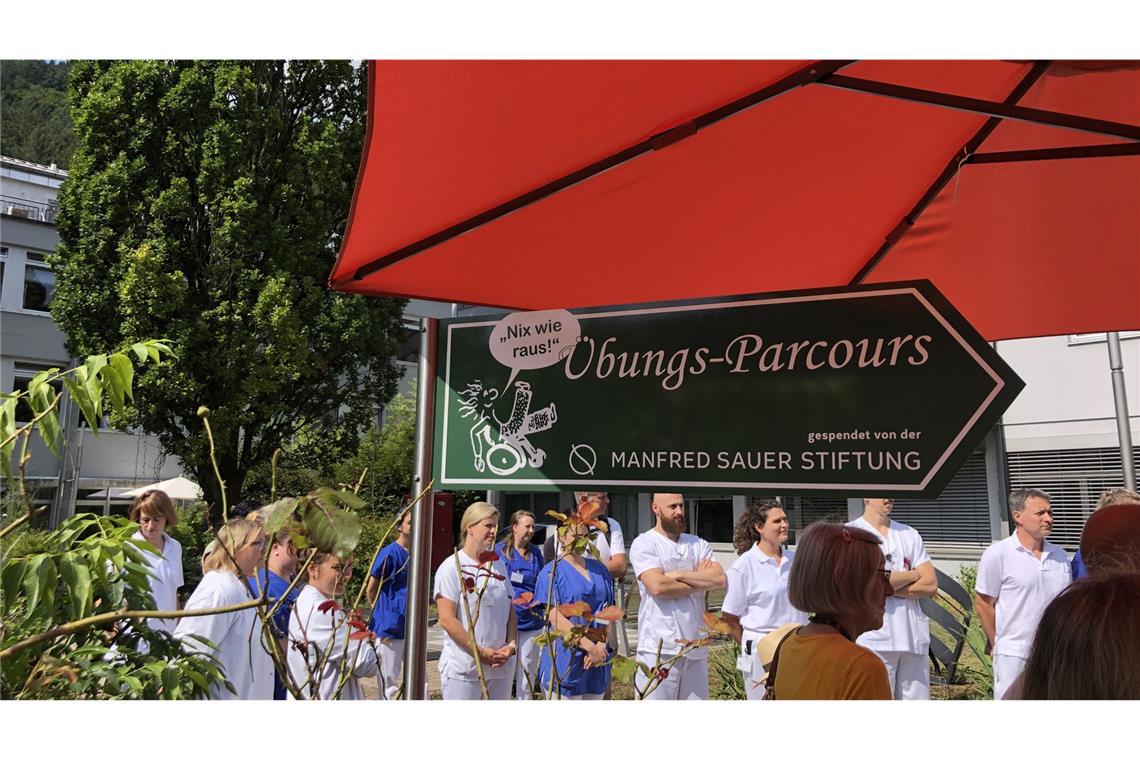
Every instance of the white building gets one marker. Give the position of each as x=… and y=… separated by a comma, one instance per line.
x=31, y=342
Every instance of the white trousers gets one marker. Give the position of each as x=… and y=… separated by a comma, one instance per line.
x=1007, y=668
x=908, y=674
x=457, y=688
x=754, y=683
x=687, y=679
x=526, y=664
x=579, y=698
x=391, y=653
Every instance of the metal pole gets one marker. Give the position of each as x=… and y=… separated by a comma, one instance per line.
x=415, y=634
x=1116, y=363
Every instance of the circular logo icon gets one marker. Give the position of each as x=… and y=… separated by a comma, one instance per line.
x=583, y=459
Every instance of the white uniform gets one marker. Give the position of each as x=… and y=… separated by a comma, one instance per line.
x=757, y=593
x=459, y=678
x=325, y=635
x=1022, y=586
x=665, y=621
x=903, y=642
x=164, y=587
x=236, y=635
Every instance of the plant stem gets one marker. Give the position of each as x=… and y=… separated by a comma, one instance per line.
x=110, y=617
x=21, y=520
x=273, y=475
x=217, y=472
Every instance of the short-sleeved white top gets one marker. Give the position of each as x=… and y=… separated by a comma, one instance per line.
x=905, y=626
x=164, y=587
x=237, y=636
x=608, y=544
x=491, y=624
x=667, y=620
x=758, y=592
x=1023, y=586
x=326, y=635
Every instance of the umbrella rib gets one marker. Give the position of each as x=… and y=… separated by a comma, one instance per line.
x=985, y=107
x=1051, y=154
x=805, y=75
x=952, y=167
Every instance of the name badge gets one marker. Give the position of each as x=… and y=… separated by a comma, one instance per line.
x=744, y=663
x=516, y=577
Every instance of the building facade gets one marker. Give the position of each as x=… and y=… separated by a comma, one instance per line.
x=30, y=342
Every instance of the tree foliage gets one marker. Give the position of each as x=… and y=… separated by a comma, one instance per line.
x=36, y=124
x=206, y=203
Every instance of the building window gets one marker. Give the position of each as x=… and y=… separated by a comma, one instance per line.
x=1075, y=478
x=710, y=517
x=960, y=514
x=39, y=283
x=22, y=375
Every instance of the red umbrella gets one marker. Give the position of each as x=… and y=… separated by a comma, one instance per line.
x=1013, y=186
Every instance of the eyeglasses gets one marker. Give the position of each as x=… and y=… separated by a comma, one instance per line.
x=260, y=543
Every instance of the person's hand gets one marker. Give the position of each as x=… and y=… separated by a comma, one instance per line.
x=706, y=564
x=596, y=654
x=490, y=656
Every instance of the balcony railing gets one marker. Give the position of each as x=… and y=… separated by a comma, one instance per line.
x=23, y=208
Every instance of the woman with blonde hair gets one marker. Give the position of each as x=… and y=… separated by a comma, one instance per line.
x=236, y=636
x=154, y=513
x=473, y=584
x=839, y=578
x=323, y=659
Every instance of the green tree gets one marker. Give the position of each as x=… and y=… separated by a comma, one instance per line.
x=206, y=203
x=389, y=456
x=36, y=124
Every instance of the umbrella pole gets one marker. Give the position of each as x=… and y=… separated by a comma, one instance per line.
x=1116, y=364
x=415, y=635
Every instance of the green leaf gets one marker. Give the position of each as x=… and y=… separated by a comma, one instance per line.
x=77, y=576
x=112, y=387
x=84, y=401
x=331, y=529
x=140, y=352
x=624, y=668
x=277, y=515
x=126, y=372
x=13, y=576
x=348, y=498
x=48, y=425
x=39, y=585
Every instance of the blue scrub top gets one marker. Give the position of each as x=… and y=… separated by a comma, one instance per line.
x=277, y=586
x=528, y=619
x=1078, y=563
x=570, y=586
x=391, y=570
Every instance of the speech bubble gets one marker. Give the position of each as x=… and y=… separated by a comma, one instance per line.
x=533, y=339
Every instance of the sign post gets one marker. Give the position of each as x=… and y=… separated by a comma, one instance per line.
x=878, y=390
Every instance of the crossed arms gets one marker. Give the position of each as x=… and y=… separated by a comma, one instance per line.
x=676, y=584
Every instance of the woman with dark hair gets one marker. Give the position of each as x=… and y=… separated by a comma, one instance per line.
x=840, y=578
x=523, y=562
x=1087, y=645
x=756, y=602
x=578, y=672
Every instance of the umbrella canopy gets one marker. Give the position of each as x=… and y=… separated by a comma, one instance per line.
x=179, y=488
x=1013, y=186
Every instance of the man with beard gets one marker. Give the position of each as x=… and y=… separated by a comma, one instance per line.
x=674, y=570
x=1017, y=578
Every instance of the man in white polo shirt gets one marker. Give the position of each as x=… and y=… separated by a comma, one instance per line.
x=1017, y=578
x=674, y=570
x=903, y=643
